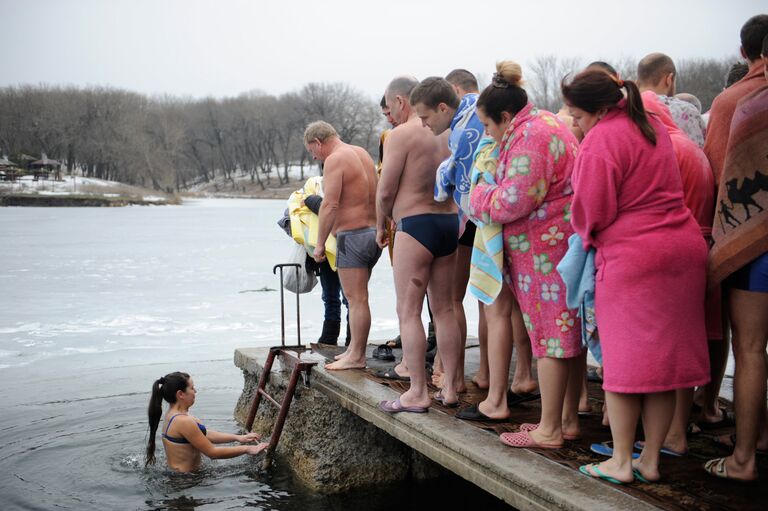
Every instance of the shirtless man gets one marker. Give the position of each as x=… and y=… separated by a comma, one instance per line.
x=425, y=246
x=348, y=211
x=441, y=109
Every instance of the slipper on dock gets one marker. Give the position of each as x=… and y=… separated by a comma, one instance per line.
x=391, y=374
x=606, y=449
x=640, y=445
x=530, y=427
x=438, y=396
x=513, y=398
x=384, y=353
x=598, y=474
x=473, y=413
x=396, y=406
x=524, y=439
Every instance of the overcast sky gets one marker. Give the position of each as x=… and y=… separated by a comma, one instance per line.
x=225, y=47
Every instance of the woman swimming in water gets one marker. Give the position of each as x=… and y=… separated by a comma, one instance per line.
x=184, y=437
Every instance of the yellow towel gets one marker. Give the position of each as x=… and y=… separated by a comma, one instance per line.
x=305, y=224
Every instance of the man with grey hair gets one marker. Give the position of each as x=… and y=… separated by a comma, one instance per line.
x=425, y=246
x=348, y=211
x=657, y=72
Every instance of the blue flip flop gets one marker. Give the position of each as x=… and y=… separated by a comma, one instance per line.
x=605, y=449
x=600, y=475
x=640, y=445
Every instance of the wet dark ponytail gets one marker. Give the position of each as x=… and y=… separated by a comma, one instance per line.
x=636, y=111
x=595, y=89
x=163, y=388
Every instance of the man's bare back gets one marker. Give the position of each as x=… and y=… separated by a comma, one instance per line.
x=350, y=186
x=413, y=156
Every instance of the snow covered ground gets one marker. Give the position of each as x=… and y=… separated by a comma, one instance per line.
x=76, y=185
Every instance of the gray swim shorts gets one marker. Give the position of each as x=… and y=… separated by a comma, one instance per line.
x=357, y=248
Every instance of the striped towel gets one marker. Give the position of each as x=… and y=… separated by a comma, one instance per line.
x=486, y=272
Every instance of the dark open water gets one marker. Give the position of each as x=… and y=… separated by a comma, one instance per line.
x=97, y=303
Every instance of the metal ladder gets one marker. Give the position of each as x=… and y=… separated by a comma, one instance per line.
x=291, y=358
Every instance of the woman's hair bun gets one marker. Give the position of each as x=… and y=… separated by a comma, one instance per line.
x=510, y=71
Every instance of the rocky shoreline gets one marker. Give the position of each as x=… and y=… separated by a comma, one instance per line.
x=32, y=200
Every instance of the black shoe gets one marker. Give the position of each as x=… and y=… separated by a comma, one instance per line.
x=473, y=413
x=330, y=333
x=395, y=343
x=384, y=353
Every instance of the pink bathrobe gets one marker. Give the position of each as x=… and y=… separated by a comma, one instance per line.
x=531, y=199
x=650, y=260
x=698, y=195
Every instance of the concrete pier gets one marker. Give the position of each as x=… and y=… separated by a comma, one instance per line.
x=335, y=438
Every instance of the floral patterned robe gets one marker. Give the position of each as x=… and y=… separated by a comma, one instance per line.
x=532, y=200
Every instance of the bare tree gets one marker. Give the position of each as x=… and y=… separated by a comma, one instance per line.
x=544, y=76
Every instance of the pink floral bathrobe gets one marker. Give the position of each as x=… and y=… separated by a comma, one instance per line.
x=531, y=199
x=650, y=260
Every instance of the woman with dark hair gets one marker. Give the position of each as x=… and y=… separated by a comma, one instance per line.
x=184, y=437
x=650, y=262
x=531, y=199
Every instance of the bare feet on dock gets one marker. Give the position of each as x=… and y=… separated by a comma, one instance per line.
x=414, y=399
x=494, y=412
x=649, y=471
x=524, y=387
x=438, y=381
x=611, y=468
x=481, y=380
x=341, y=355
x=346, y=363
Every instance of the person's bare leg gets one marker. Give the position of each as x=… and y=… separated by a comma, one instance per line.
x=677, y=437
x=576, y=373
x=461, y=272
x=481, y=377
x=553, y=380
x=463, y=257
x=718, y=359
x=584, y=397
x=449, y=345
x=498, y=316
x=657, y=411
x=624, y=411
x=411, y=270
x=437, y=371
x=749, y=322
x=522, y=379
x=355, y=283
x=708, y=395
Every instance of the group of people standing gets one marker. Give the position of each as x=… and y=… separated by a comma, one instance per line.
x=485, y=191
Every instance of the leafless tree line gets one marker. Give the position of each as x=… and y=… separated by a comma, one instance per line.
x=170, y=143
x=704, y=78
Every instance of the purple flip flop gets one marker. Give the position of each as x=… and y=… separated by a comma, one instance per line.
x=395, y=407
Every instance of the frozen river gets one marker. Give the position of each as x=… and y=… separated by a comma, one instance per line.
x=96, y=303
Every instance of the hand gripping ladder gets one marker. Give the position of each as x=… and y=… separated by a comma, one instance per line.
x=291, y=358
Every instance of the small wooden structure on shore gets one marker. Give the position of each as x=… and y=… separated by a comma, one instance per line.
x=44, y=167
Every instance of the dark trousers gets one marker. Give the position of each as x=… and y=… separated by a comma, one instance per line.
x=333, y=295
